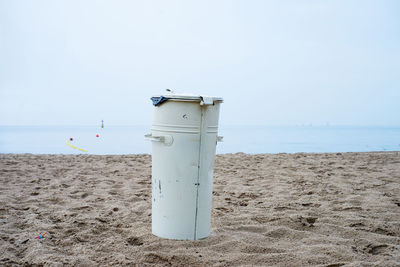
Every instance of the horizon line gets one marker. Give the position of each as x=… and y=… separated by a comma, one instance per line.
x=308, y=125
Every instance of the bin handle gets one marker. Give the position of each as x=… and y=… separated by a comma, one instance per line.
x=166, y=139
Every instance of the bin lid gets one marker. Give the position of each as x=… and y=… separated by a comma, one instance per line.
x=206, y=100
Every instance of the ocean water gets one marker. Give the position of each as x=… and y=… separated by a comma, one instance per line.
x=247, y=139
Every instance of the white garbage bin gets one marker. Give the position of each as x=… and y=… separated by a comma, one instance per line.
x=184, y=135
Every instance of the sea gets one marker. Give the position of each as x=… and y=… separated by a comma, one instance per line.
x=246, y=139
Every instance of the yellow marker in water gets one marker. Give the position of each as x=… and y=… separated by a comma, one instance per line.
x=75, y=147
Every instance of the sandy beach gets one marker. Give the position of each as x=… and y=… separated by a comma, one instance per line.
x=337, y=209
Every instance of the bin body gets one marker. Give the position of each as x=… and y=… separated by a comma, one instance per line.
x=184, y=137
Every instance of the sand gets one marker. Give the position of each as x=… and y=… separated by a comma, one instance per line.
x=268, y=210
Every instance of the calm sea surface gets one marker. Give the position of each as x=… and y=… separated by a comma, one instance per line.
x=247, y=139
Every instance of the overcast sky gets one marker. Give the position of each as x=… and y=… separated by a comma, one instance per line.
x=273, y=62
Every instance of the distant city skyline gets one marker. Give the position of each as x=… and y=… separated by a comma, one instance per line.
x=274, y=62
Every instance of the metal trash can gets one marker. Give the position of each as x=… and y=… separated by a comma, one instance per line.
x=184, y=135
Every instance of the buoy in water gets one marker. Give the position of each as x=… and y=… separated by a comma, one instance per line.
x=97, y=135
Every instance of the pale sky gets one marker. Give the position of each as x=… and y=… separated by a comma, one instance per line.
x=274, y=62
